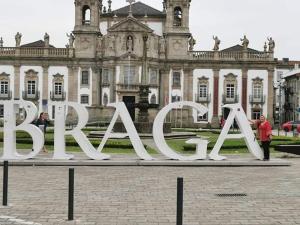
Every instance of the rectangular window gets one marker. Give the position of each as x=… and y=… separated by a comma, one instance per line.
x=31, y=87
x=105, y=76
x=1, y=110
x=58, y=88
x=85, y=77
x=84, y=99
x=129, y=75
x=176, y=98
x=203, y=118
x=4, y=87
x=230, y=91
x=153, y=76
x=256, y=113
x=257, y=91
x=176, y=79
x=202, y=91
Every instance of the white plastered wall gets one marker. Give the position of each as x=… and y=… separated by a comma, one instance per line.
x=208, y=73
x=224, y=72
x=262, y=74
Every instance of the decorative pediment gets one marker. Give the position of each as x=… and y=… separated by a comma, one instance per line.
x=203, y=80
x=4, y=74
x=130, y=24
x=31, y=74
x=230, y=76
x=257, y=80
x=58, y=77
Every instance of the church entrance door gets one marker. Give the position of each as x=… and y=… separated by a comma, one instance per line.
x=130, y=105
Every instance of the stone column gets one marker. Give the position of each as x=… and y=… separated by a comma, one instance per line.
x=245, y=89
x=270, y=98
x=95, y=86
x=17, y=94
x=215, y=123
x=73, y=84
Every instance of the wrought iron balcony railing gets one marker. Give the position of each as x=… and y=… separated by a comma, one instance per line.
x=58, y=97
x=230, y=99
x=201, y=99
x=6, y=96
x=257, y=99
x=31, y=97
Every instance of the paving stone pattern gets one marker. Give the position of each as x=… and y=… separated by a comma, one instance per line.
x=147, y=195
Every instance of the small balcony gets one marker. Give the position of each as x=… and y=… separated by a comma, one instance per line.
x=230, y=100
x=201, y=99
x=58, y=97
x=31, y=97
x=257, y=99
x=6, y=96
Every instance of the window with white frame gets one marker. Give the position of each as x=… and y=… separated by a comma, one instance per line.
x=85, y=77
x=230, y=90
x=31, y=87
x=105, y=76
x=153, y=76
x=176, y=79
x=256, y=113
x=1, y=110
x=129, y=75
x=58, y=88
x=257, y=90
x=153, y=99
x=4, y=87
x=84, y=99
x=202, y=118
x=176, y=98
x=202, y=90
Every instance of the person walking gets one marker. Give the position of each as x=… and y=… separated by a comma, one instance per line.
x=264, y=130
x=42, y=123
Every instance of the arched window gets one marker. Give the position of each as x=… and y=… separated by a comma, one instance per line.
x=86, y=15
x=153, y=99
x=177, y=16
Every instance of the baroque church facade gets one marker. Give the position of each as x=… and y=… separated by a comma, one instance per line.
x=103, y=63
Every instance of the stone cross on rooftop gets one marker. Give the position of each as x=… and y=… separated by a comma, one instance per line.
x=130, y=7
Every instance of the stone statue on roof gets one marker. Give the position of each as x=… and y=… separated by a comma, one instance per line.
x=47, y=40
x=245, y=42
x=71, y=39
x=271, y=44
x=217, y=43
x=192, y=43
x=18, y=38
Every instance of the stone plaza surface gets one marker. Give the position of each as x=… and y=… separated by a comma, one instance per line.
x=147, y=195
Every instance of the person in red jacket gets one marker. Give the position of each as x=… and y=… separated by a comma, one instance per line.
x=264, y=130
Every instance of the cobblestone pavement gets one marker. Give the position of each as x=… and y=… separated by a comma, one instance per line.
x=147, y=195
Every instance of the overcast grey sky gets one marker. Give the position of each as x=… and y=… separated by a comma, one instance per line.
x=229, y=19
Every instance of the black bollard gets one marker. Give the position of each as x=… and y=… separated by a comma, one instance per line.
x=5, y=183
x=71, y=195
x=179, y=219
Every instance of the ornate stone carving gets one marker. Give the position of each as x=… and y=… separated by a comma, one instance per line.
x=192, y=43
x=245, y=42
x=47, y=40
x=271, y=45
x=18, y=38
x=217, y=43
x=71, y=39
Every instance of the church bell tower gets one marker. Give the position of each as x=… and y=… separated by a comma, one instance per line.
x=87, y=27
x=177, y=27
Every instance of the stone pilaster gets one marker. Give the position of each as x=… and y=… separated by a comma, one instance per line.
x=188, y=85
x=45, y=88
x=215, y=100
x=17, y=94
x=164, y=88
x=270, y=98
x=95, y=86
x=245, y=89
x=73, y=84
